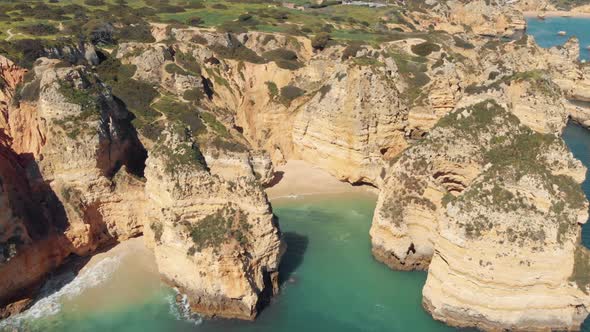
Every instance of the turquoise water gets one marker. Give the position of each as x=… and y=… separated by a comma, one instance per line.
x=545, y=31
x=330, y=282
x=577, y=139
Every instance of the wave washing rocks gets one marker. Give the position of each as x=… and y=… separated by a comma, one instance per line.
x=70, y=151
x=458, y=129
x=490, y=208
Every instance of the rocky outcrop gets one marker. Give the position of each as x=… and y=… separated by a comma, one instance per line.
x=352, y=125
x=72, y=151
x=525, y=209
x=213, y=238
x=482, y=193
x=11, y=76
x=486, y=18
x=68, y=149
x=249, y=90
x=480, y=183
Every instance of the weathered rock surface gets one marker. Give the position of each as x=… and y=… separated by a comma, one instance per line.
x=64, y=147
x=351, y=124
x=487, y=198
x=500, y=240
x=213, y=238
x=72, y=151
x=480, y=183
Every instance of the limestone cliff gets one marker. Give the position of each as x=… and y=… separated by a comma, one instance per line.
x=65, y=138
x=286, y=99
x=72, y=150
x=525, y=209
x=354, y=123
x=213, y=238
x=482, y=182
x=174, y=139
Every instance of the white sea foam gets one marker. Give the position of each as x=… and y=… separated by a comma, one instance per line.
x=62, y=287
x=182, y=309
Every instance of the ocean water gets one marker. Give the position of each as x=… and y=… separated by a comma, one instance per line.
x=577, y=139
x=329, y=282
x=545, y=32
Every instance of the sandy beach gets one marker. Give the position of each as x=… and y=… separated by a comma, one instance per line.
x=128, y=274
x=556, y=13
x=298, y=178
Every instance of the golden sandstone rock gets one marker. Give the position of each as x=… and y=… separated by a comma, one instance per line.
x=459, y=133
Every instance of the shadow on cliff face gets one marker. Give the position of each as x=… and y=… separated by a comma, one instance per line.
x=31, y=200
x=276, y=178
x=296, y=247
x=119, y=143
x=47, y=213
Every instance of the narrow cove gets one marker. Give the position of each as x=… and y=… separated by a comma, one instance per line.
x=330, y=281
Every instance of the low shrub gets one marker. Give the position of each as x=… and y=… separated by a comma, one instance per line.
x=237, y=51
x=324, y=91
x=350, y=51
x=99, y=32
x=425, y=48
x=112, y=69
x=158, y=230
x=188, y=62
x=219, y=228
x=173, y=69
x=139, y=33
x=194, y=94
x=181, y=112
x=273, y=90
x=199, y=40
x=194, y=21
x=128, y=90
x=290, y=93
x=171, y=9
x=284, y=58
x=94, y=2
x=215, y=125
x=39, y=29
x=229, y=145
x=232, y=27
x=459, y=42
x=320, y=41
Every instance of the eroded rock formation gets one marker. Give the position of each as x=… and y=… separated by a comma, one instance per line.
x=458, y=129
x=73, y=182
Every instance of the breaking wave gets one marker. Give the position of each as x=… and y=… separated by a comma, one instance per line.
x=180, y=308
x=62, y=287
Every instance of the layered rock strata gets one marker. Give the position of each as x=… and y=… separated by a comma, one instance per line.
x=480, y=183
x=71, y=152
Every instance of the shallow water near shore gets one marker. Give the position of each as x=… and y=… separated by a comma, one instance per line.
x=546, y=32
x=330, y=282
x=577, y=138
